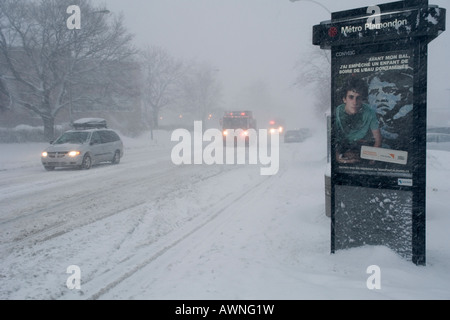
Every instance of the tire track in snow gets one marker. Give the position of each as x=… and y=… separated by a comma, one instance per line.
x=59, y=228
x=167, y=247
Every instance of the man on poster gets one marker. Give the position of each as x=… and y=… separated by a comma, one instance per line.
x=391, y=96
x=356, y=123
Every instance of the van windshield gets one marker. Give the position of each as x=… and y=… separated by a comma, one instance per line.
x=72, y=137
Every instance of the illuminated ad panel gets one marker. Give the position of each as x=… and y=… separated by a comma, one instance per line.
x=373, y=113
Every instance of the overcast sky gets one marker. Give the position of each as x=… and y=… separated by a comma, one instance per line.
x=251, y=41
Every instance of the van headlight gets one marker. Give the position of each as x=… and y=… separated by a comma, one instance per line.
x=73, y=153
x=44, y=154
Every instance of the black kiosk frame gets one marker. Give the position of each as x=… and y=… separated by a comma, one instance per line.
x=378, y=189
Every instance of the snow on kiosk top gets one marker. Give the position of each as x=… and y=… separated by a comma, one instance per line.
x=89, y=123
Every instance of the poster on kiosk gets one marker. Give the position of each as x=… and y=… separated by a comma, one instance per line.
x=373, y=110
x=378, y=123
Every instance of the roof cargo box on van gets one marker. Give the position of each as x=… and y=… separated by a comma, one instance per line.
x=89, y=123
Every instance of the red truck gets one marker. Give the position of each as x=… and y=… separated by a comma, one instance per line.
x=237, y=123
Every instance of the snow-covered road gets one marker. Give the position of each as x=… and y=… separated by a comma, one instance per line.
x=147, y=229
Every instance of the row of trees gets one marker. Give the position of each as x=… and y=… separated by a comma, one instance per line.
x=47, y=67
x=314, y=73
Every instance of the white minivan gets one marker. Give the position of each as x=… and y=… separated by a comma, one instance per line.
x=91, y=142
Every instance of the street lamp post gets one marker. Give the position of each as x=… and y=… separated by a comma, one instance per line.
x=106, y=11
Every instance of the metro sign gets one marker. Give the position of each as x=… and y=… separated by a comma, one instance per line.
x=380, y=23
x=333, y=32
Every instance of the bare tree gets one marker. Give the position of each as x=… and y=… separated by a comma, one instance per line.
x=161, y=75
x=48, y=65
x=315, y=72
x=5, y=100
x=201, y=91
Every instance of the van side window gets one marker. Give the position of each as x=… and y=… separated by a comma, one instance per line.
x=104, y=136
x=109, y=136
x=95, y=139
x=114, y=136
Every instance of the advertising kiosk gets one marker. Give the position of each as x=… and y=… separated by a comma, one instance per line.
x=378, y=124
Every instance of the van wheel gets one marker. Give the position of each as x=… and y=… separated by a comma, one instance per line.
x=87, y=162
x=49, y=168
x=116, y=158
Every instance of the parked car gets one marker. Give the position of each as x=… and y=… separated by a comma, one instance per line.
x=438, y=141
x=296, y=135
x=90, y=143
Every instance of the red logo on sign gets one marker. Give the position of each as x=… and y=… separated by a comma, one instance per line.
x=333, y=32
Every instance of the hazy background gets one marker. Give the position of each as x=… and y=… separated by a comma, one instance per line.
x=260, y=46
